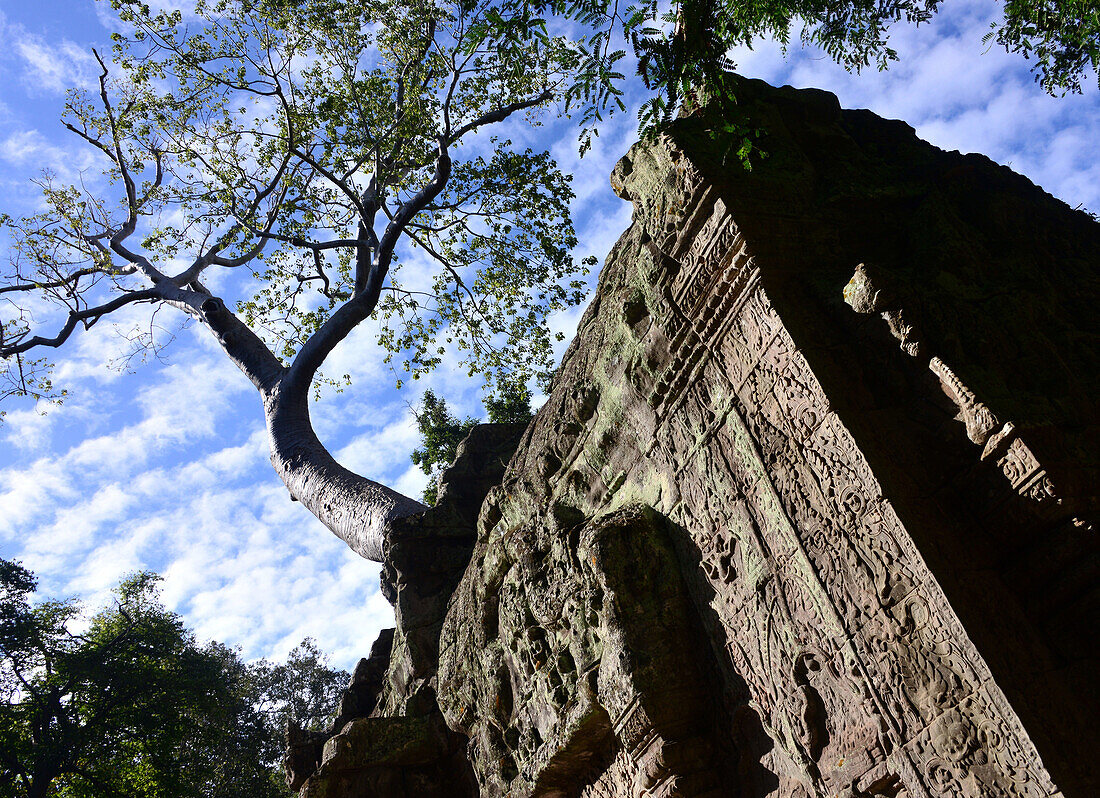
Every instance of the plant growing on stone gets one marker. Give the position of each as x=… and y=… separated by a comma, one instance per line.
x=302, y=152
x=682, y=47
x=441, y=432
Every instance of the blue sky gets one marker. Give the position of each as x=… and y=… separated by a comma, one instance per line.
x=165, y=467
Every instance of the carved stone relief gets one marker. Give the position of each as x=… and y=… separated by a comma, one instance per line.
x=725, y=559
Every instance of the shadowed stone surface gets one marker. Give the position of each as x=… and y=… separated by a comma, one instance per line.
x=880, y=524
x=810, y=508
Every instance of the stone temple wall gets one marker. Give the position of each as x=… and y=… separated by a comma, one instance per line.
x=809, y=511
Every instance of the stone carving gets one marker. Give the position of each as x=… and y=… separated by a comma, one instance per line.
x=1015, y=459
x=746, y=548
x=597, y=664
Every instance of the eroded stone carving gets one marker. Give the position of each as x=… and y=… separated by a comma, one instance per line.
x=746, y=548
x=831, y=637
x=594, y=650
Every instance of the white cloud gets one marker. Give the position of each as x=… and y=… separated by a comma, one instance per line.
x=28, y=493
x=31, y=153
x=29, y=146
x=55, y=67
x=30, y=428
x=373, y=453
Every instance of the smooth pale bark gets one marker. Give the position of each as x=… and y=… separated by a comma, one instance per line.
x=357, y=510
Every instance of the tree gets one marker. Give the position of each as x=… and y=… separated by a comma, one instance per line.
x=131, y=707
x=304, y=689
x=135, y=707
x=441, y=432
x=510, y=403
x=310, y=144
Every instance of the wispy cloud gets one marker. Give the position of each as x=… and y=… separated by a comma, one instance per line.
x=55, y=67
x=191, y=495
x=30, y=147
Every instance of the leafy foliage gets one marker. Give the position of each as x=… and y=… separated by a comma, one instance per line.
x=1063, y=36
x=441, y=432
x=134, y=705
x=304, y=688
x=300, y=142
x=510, y=403
x=682, y=47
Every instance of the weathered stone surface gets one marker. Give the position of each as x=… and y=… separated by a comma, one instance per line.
x=593, y=623
x=389, y=738
x=425, y=556
x=304, y=751
x=408, y=756
x=361, y=697
x=810, y=509
x=759, y=541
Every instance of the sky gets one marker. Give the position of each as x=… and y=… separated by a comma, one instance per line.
x=163, y=466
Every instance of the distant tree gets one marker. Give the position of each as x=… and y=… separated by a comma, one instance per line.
x=510, y=403
x=242, y=754
x=305, y=689
x=134, y=706
x=441, y=432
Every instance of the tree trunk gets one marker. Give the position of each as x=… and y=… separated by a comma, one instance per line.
x=356, y=509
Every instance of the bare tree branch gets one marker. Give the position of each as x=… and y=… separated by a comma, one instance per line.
x=499, y=114
x=88, y=317
x=59, y=283
x=362, y=304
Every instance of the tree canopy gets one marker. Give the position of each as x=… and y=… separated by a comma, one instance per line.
x=302, y=141
x=314, y=158
x=134, y=706
x=682, y=50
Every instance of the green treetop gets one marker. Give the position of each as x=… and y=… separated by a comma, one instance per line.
x=134, y=706
x=441, y=432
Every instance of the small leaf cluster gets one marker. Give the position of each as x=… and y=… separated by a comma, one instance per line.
x=1062, y=36
x=502, y=237
x=440, y=434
